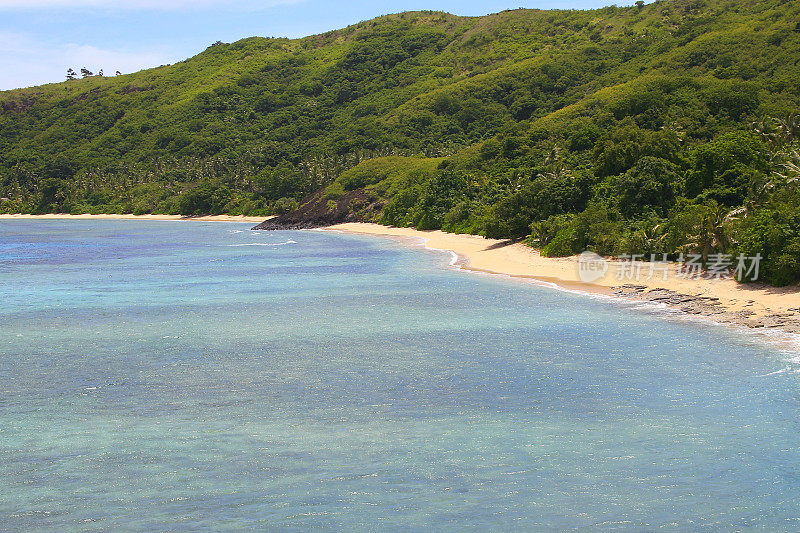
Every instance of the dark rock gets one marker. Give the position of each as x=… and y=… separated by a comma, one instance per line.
x=319, y=211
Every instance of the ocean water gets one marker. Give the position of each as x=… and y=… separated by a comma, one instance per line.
x=184, y=376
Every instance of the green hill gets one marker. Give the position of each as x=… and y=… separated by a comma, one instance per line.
x=622, y=130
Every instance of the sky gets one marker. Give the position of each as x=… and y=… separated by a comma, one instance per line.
x=41, y=39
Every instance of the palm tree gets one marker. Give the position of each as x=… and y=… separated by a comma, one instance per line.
x=790, y=166
x=540, y=233
x=711, y=232
x=553, y=156
x=648, y=239
x=789, y=128
x=783, y=136
x=558, y=173
x=779, y=132
x=758, y=192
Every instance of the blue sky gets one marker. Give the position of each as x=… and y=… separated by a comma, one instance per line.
x=40, y=39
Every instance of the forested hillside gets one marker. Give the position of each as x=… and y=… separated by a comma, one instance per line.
x=661, y=128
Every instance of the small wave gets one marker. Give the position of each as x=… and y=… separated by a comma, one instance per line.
x=265, y=243
x=783, y=371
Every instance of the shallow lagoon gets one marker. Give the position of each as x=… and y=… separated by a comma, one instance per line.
x=172, y=375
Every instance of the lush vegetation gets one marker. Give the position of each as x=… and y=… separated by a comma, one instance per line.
x=662, y=128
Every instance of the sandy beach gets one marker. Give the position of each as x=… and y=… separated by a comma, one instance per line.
x=210, y=218
x=722, y=300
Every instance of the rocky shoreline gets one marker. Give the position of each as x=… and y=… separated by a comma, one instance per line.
x=709, y=306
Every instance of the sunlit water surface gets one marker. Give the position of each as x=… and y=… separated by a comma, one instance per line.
x=173, y=375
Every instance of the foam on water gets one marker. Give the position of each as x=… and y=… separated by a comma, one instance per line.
x=264, y=244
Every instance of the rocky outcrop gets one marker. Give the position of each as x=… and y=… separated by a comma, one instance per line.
x=710, y=307
x=319, y=210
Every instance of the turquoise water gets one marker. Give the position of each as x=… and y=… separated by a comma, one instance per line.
x=174, y=376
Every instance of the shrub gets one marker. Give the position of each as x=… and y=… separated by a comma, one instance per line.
x=774, y=234
x=204, y=199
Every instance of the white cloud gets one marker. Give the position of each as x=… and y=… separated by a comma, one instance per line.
x=25, y=61
x=138, y=4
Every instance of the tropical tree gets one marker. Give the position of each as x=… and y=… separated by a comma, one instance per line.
x=758, y=192
x=789, y=169
x=649, y=238
x=783, y=137
x=544, y=231
x=712, y=232
x=779, y=132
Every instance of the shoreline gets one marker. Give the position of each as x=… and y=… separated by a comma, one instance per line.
x=207, y=218
x=758, y=307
